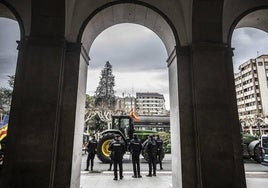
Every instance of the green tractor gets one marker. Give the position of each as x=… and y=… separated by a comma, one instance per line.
x=123, y=126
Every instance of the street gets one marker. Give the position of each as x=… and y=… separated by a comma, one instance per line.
x=256, y=175
x=100, y=167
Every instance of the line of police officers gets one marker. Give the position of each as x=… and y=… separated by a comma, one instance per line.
x=153, y=147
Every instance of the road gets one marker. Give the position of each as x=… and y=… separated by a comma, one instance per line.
x=127, y=165
x=251, y=167
x=256, y=175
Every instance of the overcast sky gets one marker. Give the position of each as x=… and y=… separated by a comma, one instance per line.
x=137, y=55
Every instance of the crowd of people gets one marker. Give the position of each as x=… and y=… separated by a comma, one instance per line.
x=153, y=147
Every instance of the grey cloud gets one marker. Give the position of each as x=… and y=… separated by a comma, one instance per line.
x=247, y=41
x=129, y=51
x=9, y=34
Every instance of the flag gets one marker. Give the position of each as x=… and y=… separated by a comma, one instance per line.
x=3, y=127
x=134, y=115
x=4, y=121
x=3, y=133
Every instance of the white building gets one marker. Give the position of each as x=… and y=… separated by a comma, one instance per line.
x=125, y=104
x=252, y=89
x=150, y=104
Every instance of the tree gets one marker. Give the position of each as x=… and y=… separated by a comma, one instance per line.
x=6, y=95
x=96, y=118
x=90, y=101
x=104, y=94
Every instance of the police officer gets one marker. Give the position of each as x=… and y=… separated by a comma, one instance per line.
x=135, y=148
x=111, y=157
x=118, y=149
x=159, y=144
x=92, y=150
x=150, y=148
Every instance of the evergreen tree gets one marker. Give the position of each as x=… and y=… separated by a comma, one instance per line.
x=104, y=94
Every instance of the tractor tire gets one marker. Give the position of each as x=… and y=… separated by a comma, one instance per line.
x=257, y=153
x=102, y=149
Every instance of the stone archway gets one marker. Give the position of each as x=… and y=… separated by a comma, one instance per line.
x=51, y=74
x=151, y=18
x=255, y=18
x=8, y=11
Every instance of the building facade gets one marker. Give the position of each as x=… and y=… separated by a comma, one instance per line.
x=252, y=92
x=125, y=104
x=150, y=104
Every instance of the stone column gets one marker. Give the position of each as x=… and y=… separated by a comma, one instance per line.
x=238, y=154
x=69, y=152
x=43, y=116
x=182, y=128
x=218, y=150
x=206, y=141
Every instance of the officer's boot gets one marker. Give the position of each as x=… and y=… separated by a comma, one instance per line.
x=139, y=170
x=86, y=169
x=160, y=163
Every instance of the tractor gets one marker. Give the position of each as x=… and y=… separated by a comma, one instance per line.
x=124, y=126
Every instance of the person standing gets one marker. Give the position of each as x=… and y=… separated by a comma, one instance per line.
x=92, y=150
x=118, y=149
x=135, y=148
x=111, y=157
x=159, y=144
x=150, y=148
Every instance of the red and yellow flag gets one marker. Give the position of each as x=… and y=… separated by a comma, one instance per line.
x=3, y=127
x=3, y=133
x=134, y=115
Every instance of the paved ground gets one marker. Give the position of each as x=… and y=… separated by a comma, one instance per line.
x=106, y=180
x=256, y=176
x=89, y=180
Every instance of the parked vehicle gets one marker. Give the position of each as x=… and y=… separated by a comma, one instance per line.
x=123, y=126
x=264, y=149
x=251, y=147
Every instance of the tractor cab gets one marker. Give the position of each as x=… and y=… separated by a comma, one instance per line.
x=124, y=124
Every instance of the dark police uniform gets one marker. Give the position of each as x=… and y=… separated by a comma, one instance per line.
x=135, y=148
x=111, y=158
x=151, y=149
x=159, y=144
x=92, y=150
x=118, y=149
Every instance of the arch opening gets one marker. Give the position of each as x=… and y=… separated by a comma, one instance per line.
x=128, y=13
x=143, y=16
x=249, y=38
x=9, y=35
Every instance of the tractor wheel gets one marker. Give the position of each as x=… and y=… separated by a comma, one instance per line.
x=257, y=153
x=102, y=149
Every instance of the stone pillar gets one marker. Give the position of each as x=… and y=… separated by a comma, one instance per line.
x=218, y=150
x=43, y=116
x=206, y=140
x=182, y=128
x=68, y=165
x=238, y=154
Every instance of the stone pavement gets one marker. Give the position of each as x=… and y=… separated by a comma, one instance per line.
x=105, y=179
x=162, y=180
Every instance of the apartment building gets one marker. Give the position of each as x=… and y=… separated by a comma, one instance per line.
x=252, y=88
x=150, y=104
